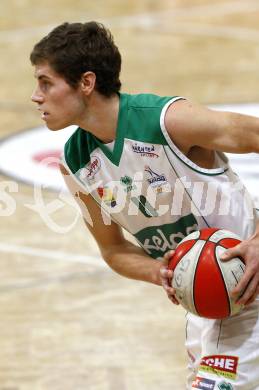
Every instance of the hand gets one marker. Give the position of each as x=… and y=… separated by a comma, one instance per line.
x=249, y=283
x=166, y=277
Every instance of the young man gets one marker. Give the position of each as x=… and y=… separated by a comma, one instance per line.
x=137, y=162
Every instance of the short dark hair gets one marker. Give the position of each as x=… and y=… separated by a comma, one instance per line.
x=72, y=49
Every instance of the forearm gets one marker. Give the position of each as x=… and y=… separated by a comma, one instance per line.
x=131, y=261
x=189, y=124
x=233, y=132
x=244, y=133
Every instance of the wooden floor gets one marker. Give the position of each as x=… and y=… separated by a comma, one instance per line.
x=67, y=321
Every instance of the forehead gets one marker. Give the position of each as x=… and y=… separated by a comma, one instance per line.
x=45, y=70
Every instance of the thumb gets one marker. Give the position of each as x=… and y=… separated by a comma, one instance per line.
x=167, y=257
x=230, y=254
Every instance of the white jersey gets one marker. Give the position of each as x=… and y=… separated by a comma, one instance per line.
x=145, y=184
x=149, y=187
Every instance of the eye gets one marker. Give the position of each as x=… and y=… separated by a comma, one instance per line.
x=45, y=85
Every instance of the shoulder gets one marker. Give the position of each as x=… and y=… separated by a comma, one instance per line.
x=147, y=101
x=188, y=124
x=72, y=150
x=144, y=113
x=77, y=149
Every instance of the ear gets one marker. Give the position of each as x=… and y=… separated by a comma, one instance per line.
x=87, y=82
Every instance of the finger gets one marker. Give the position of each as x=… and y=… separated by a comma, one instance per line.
x=243, y=283
x=167, y=257
x=171, y=293
x=253, y=298
x=170, y=253
x=167, y=286
x=231, y=253
x=249, y=292
x=174, y=300
x=165, y=273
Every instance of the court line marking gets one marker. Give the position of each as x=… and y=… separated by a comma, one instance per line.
x=44, y=281
x=107, y=295
x=150, y=19
x=53, y=255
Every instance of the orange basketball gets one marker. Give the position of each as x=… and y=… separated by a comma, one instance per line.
x=202, y=281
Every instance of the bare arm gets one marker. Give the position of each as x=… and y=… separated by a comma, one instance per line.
x=121, y=255
x=189, y=125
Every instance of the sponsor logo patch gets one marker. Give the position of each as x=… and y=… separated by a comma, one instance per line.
x=126, y=181
x=156, y=240
x=203, y=383
x=157, y=181
x=91, y=168
x=220, y=365
x=225, y=386
x=144, y=150
x=107, y=196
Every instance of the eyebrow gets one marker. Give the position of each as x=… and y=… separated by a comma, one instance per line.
x=42, y=76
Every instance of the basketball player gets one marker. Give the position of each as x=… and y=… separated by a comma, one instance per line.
x=155, y=167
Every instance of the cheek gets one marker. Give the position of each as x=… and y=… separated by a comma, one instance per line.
x=72, y=99
x=67, y=103
x=75, y=105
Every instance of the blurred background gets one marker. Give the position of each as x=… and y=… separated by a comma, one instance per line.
x=67, y=321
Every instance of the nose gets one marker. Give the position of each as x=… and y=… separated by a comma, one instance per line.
x=36, y=97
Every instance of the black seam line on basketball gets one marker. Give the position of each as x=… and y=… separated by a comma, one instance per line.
x=185, y=187
x=241, y=259
x=220, y=326
x=226, y=291
x=234, y=276
x=242, y=266
x=243, y=270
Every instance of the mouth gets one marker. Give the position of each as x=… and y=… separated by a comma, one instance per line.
x=44, y=114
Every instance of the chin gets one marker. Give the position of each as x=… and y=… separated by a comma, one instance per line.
x=55, y=127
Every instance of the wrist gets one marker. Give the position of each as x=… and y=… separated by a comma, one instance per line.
x=155, y=274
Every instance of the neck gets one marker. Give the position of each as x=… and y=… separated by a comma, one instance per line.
x=100, y=117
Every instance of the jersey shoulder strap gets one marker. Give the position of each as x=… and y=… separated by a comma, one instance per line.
x=78, y=149
x=144, y=117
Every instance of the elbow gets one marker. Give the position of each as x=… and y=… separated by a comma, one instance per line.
x=109, y=256
x=253, y=145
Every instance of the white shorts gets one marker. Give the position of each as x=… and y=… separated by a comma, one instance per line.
x=224, y=354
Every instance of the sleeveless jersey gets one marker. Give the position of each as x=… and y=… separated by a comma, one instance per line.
x=149, y=187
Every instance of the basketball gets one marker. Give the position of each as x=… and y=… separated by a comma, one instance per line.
x=202, y=281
